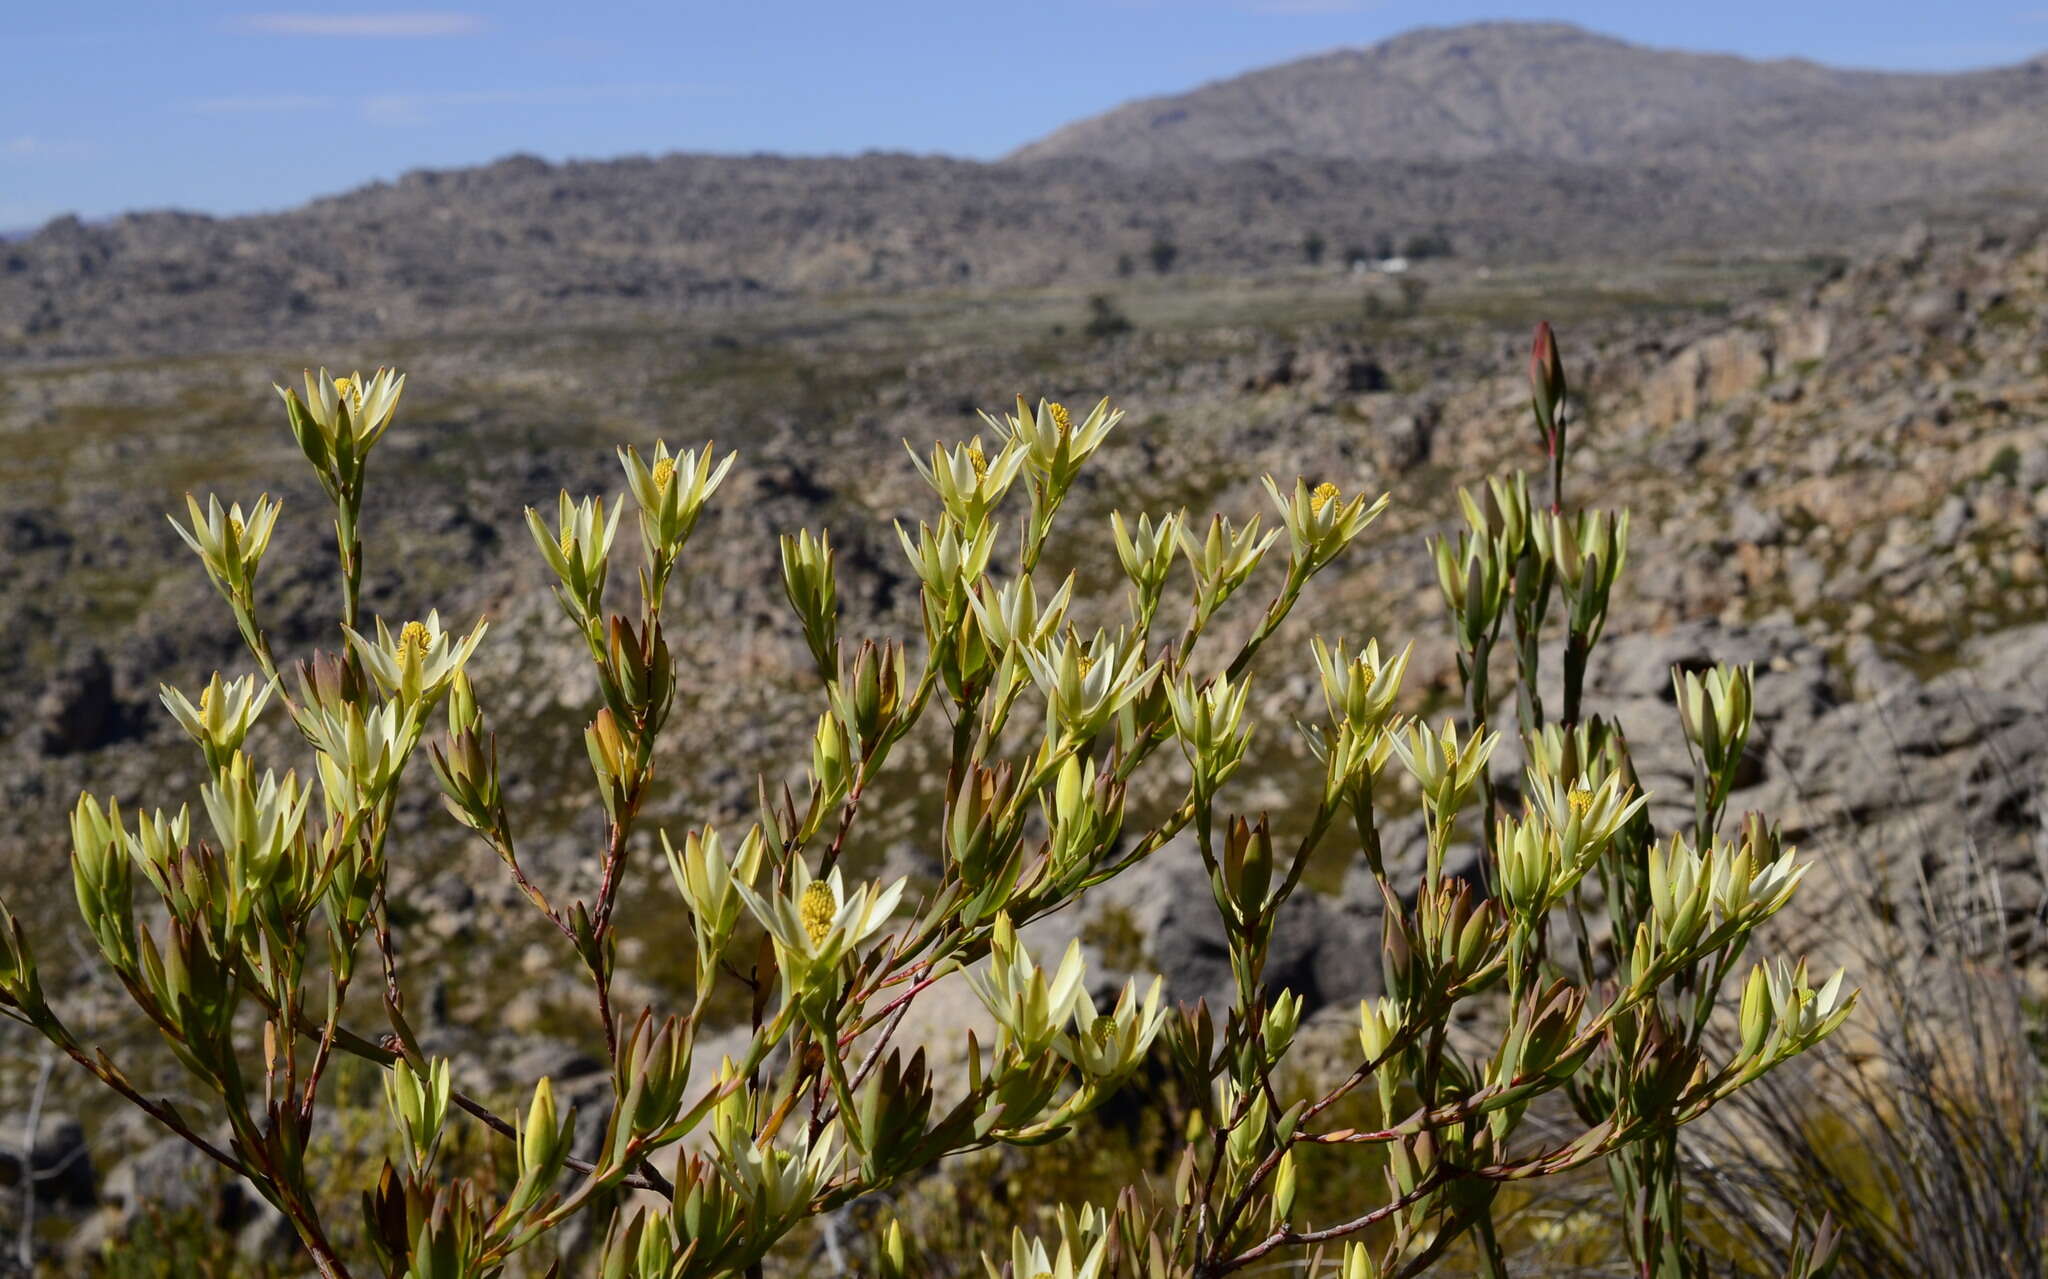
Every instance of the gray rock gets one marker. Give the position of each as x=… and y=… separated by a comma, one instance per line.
x=1403, y=443
x=1949, y=522
x=1752, y=524
x=59, y=1160
x=170, y=1176
x=1934, y=306
x=78, y=711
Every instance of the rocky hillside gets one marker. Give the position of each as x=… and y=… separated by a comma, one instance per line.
x=1502, y=144
x=524, y=242
x=1843, y=479
x=1556, y=92
x=1860, y=461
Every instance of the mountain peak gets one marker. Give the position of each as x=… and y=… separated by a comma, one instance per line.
x=1542, y=90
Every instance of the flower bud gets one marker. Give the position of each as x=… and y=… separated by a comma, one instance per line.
x=21, y=987
x=1379, y=1025
x=610, y=759
x=982, y=834
x=1250, y=1133
x=808, y=579
x=467, y=768
x=544, y=1140
x=1716, y=710
x=420, y=1104
x=1283, y=1190
x=1504, y=515
x=1147, y=556
x=1247, y=869
x=463, y=715
x=892, y=1259
x=1586, y=554
x=868, y=699
x=102, y=878
x=1358, y=1263
x=1547, y=387
x=830, y=766
x=1276, y=1034
x=1755, y=1020
x=1472, y=572
x=1403, y=976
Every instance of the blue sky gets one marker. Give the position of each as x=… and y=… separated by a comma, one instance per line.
x=109, y=105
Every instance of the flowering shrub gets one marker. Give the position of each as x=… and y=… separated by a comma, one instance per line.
x=271, y=906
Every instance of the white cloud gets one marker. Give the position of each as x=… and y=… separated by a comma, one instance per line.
x=402, y=109
x=274, y=104
x=417, y=108
x=30, y=146
x=376, y=25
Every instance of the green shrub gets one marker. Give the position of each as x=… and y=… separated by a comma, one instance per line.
x=276, y=906
x=1105, y=318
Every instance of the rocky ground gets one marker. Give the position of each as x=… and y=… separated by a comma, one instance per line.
x=1837, y=473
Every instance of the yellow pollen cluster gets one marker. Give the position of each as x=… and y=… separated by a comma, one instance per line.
x=1325, y=494
x=413, y=637
x=816, y=909
x=978, y=460
x=1450, y=745
x=664, y=471
x=568, y=544
x=206, y=699
x=1101, y=1030
x=1060, y=420
x=350, y=393
x=1086, y=664
x=236, y=527
x=1580, y=800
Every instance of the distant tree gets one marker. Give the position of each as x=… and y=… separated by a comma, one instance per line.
x=1413, y=290
x=1429, y=244
x=1312, y=246
x=1383, y=246
x=1126, y=265
x=1104, y=319
x=1357, y=256
x=1164, y=253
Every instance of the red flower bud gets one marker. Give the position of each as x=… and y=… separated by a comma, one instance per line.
x=1546, y=381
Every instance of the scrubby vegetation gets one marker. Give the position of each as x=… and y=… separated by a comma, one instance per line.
x=1587, y=967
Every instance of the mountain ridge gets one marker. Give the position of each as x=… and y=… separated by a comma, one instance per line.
x=1541, y=90
x=1507, y=142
